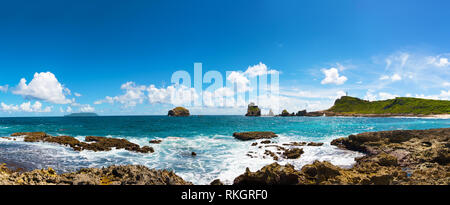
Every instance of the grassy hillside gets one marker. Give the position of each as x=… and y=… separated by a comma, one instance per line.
x=400, y=105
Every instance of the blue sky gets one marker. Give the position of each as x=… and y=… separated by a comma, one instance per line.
x=370, y=49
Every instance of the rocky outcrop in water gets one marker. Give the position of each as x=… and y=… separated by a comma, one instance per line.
x=179, y=112
x=92, y=143
x=398, y=157
x=244, y=136
x=113, y=175
x=253, y=110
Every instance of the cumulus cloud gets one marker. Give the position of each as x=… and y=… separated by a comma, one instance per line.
x=332, y=77
x=371, y=96
x=77, y=94
x=44, y=86
x=136, y=94
x=25, y=107
x=259, y=69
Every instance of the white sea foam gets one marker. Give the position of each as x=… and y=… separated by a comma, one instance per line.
x=218, y=157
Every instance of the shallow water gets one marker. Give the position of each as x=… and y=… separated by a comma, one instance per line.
x=219, y=155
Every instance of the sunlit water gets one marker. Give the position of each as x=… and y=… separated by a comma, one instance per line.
x=219, y=155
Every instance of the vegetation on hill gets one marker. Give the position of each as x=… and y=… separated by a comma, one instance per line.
x=399, y=105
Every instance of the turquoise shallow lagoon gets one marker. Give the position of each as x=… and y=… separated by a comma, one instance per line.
x=219, y=155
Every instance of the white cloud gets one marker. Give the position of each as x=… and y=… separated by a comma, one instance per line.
x=241, y=81
x=370, y=96
x=44, y=86
x=438, y=61
x=77, y=94
x=259, y=69
x=332, y=77
x=25, y=107
x=133, y=95
x=69, y=109
x=4, y=88
x=386, y=96
x=394, y=77
x=87, y=108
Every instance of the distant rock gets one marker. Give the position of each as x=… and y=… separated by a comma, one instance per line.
x=244, y=136
x=301, y=113
x=216, y=182
x=253, y=110
x=179, y=112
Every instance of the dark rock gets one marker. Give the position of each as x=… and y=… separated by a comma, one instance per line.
x=301, y=113
x=216, y=182
x=244, y=136
x=317, y=144
x=179, y=112
x=99, y=143
x=294, y=153
x=254, y=143
x=265, y=142
x=253, y=110
x=113, y=175
x=273, y=174
x=194, y=154
x=155, y=141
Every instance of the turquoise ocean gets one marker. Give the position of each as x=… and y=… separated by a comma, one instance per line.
x=219, y=155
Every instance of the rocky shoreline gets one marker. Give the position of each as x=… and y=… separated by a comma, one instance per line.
x=399, y=157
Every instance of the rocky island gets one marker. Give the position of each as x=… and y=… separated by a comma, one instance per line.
x=179, y=112
x=253, y=110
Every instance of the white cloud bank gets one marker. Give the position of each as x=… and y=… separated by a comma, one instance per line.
x=44, y=86
x=25, y=107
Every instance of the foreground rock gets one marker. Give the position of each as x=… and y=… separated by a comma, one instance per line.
x=95, y=143
x=402, y=157
x=244, y=136
x=113, y=175
x=179, y=112
x=253, y=110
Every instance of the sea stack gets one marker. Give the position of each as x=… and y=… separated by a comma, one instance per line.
x=253, y=110
x=179, y=112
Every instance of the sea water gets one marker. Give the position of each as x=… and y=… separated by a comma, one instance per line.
x=219, y=155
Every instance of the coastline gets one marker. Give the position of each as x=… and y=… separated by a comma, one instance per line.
x=391, y=157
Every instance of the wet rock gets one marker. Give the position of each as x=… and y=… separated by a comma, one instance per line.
x=194, y=154
x=294, y=153
x=295, y=144
x=97, y=143
x=273, y=174
x=244, y=136
x=271, y=154
x=216, y=182
x=301, y=113
x=316, y=144
x=254, y=143
x=155, y=141
x=179, y=112
x=265, y=142
x=113, y=175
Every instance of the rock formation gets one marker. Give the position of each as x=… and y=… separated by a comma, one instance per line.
x=253, y=110
x=113, y=175
x=244, y=136
x=92, y=143
x=398, y=157
x=179, y=112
